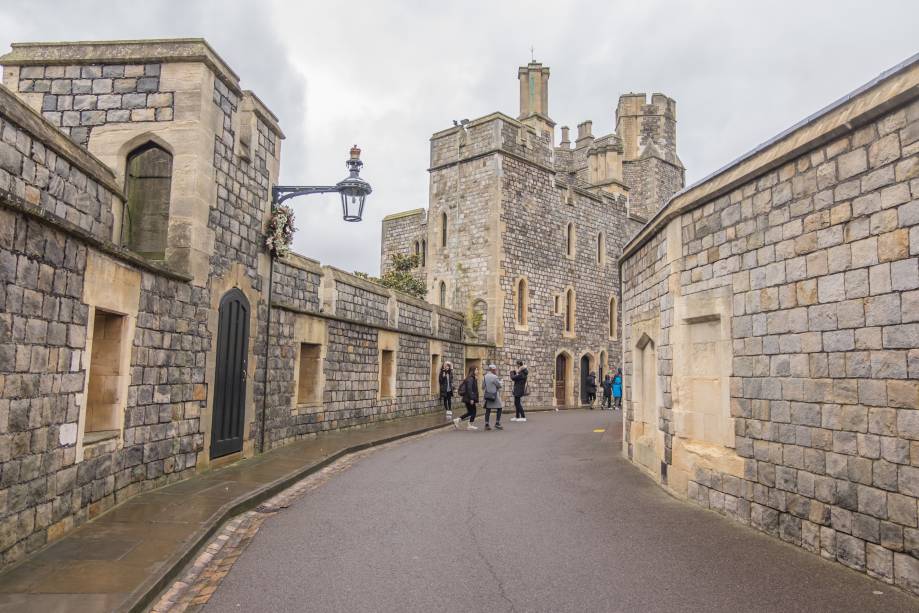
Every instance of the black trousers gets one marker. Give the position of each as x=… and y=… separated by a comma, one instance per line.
x=470, y=412
x=618, y=402
x=518, y=406
x=448, y=402
x=608, y=401
x=488, y=411
x=591, y=396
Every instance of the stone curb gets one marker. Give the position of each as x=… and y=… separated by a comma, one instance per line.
x=144, y=595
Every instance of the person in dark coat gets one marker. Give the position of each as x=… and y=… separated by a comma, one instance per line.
x=519, y=377
x=446, y=387
x=617, y=388
x=591, y=389
x=607, y=392
x=469, y=392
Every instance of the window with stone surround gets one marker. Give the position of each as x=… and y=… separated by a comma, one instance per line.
x=443, y=229
x=309, y=380
x=613, y=318
x=424, y=253
x=435, y=374
x=601, y=248
x=148, y=182
x=570, y=305
x=387, y=373
x=521, y=302
x=570, y=240
x=442, y=294
x=556, y=308
x=103, y=391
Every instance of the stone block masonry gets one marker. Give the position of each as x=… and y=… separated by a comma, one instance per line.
x=113, y=379
x=770, y=335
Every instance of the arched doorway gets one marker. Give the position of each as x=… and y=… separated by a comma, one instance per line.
x=230, y=384
x=561, y=380
x=585, y=370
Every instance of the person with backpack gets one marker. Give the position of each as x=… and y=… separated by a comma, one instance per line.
x=469, y=392
x=591, y=389
x=493, y=396
x=607, y=392
x=519, y=377
x=445, y=379
x=617, y=389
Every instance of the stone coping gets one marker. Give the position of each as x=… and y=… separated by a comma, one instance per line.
x=410, y=213
x=12, y=202
x=296, y=260
x=284, y=306
x=123, y=559
x=262, y=110
x=144, y=51
x=890, y=89
x=18, y=112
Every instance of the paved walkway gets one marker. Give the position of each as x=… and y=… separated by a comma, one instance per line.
x=125, y=556
x=543, y=516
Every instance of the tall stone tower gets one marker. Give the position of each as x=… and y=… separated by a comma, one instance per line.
x=523, y=236
x=651, y=166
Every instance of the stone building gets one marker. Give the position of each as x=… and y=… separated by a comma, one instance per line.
x=523, y=236
x=134, y=198
x=771, y=335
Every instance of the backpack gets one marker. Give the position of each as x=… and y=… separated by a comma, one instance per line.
x=526, y=388
x=462, y=388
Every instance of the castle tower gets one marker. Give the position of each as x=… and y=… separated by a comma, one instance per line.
x=534, y=98
x=651, y=166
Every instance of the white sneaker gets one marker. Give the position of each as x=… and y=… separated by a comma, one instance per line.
x=514, y=419
x=471, y=427
x=522, y=419
x=449, y=413
x=456, y=423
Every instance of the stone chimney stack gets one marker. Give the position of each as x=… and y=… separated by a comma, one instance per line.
x=585, y=134
x=534, y=98
x=565, y=142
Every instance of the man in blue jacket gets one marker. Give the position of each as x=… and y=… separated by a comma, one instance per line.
x=617, y=388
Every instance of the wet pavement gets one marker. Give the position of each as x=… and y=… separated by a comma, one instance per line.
x=542, y=516
x=126, y=555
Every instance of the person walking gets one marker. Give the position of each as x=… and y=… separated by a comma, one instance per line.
x=469, y=392
x=617, y=389
x=492, y=389
x=607, y=392
x=519, y=377
x=446, y=387
x=591, y=389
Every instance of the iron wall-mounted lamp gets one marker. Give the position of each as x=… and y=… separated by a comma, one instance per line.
x=352, y=189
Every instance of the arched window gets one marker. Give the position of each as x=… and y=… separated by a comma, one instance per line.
x=424, y=252
x=521, y=299
x=443, y=229
x=443, y=294
x=601, y=248
x=570, y=239
x=569, y=311
x=148, y=182
x=417, y=248
x=613, y=317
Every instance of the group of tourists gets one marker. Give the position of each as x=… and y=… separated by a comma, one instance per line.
x=468, y=390
x=612, y=390
x=491, y=390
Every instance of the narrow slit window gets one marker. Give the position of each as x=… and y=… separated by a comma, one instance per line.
x=569, y=311
x=387, y=373
x=309, y=385
x=435, y=374
x=103, y=401
x=522, y=305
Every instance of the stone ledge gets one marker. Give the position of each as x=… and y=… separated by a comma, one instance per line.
x=403, y=214
x=18, y=112
x=144, y=51
x=14, y=203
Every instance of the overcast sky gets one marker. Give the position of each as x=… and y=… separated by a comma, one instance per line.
x=385, y=75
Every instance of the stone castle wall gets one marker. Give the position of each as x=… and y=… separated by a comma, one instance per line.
x=771, y=336
x=401, y=233
x=61, y=266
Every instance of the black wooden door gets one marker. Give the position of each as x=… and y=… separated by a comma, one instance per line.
x=561, y=380
x=230, y=384
x=585, y=370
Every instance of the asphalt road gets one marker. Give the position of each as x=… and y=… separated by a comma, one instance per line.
x=543, y=516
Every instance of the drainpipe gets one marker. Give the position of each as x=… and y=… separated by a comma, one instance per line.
x=261, y=434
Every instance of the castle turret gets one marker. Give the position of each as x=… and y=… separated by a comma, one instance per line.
x=651, y=166
x=534, y=98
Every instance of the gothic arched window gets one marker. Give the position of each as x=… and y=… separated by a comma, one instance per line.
x=148, y=182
